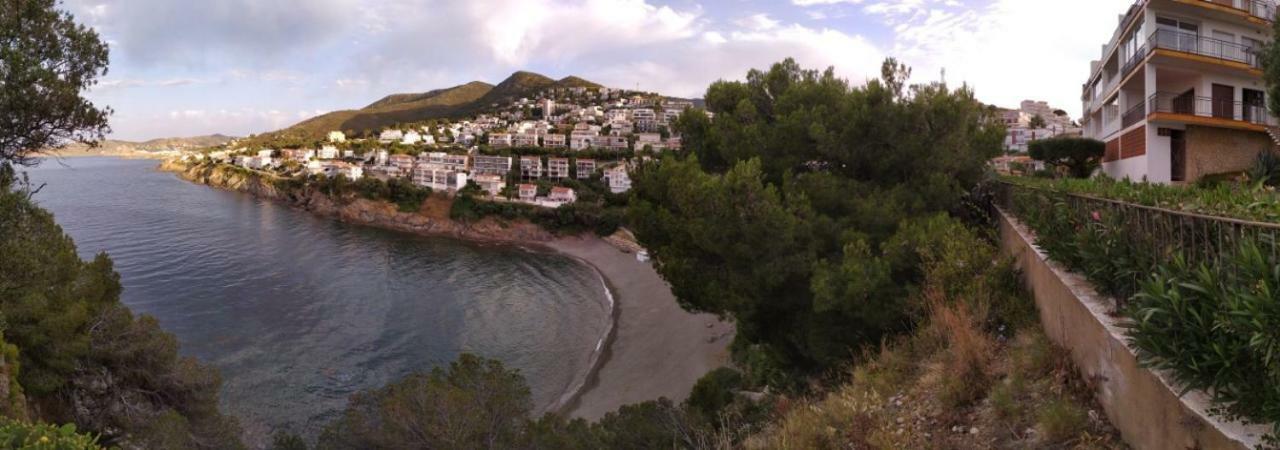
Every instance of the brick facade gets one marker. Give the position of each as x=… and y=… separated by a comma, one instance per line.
x=1212, y=150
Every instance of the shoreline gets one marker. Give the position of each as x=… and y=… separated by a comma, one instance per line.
x=635, y=360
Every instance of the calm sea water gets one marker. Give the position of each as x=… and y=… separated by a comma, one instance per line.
x=299, y=312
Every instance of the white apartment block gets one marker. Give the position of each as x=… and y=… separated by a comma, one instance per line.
x=1178, y=93
x=530, y=167
x=618, y=179
x=524, y=140
x=458, y=163
x=555, y=141
x=438, y=177
x=585, y=168
x=491, y=165
x=557, y=168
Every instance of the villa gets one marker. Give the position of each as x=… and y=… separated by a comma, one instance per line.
x=491, y=184
x=528, y=193
x=618, y=179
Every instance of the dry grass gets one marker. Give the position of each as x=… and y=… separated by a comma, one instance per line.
x=954, y=376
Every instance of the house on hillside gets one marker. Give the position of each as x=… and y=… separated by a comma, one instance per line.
x=1178, y=92
x=557, y=168
x=528, y=193
x=617, y=179
x=491, y=165
x=490, y=184
x=554, y=140
x=337, y=137
x=562, y=196
x=390, y=136
x=585, y=168
x=530, y=167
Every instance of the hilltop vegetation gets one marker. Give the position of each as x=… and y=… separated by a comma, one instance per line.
x=452, y=103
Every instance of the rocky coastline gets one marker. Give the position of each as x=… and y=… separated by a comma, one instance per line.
x=432, y=220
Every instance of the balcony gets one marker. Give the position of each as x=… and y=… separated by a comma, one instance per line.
x=1195, y=44
x=1209, y=111
x=1262, y=9
x=1133, y=115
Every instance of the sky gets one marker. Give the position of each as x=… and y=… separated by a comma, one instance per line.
x=238, y=67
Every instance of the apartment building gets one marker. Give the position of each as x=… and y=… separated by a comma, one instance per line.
x=1178, y=93
x=530, y=167
x=557, y=168
x=491, y=165
x=585, y=168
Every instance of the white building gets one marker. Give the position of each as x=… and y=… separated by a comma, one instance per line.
x=411, y=138
x=327, y=152
x=439, y=178
x=389, y=136
x=490, y=184
x=491, y=165
x=1178, y=93
x=337, y=137
x=618, y=179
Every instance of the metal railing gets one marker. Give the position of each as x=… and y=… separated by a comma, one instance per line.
x=1159, y=234
x=1262, y=9
x=1196, y=44
x=1184, y=104
x=1134, y=115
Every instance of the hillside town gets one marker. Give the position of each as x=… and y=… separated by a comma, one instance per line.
x=538, y=150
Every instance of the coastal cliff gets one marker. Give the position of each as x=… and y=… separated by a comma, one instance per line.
x=432, y=217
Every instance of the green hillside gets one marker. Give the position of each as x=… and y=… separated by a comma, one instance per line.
x=455, y=102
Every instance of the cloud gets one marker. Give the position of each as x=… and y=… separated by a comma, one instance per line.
x=1007, y=50
x=209, y=33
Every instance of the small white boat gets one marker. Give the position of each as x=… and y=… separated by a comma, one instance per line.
x=642, y=256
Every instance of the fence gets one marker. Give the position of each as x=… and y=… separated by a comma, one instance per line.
x=1143, y=236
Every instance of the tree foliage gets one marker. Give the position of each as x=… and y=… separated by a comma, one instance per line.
x=85, y=358
x=1037, y=122
x=1080, y=156
x=46, y=61
x=782, y=214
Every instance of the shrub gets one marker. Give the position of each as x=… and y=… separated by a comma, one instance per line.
x=1060, y=420
x=1217, y=331
x=713, y=392
x=1266, y=169
x=1080, y=156
x=17, y=435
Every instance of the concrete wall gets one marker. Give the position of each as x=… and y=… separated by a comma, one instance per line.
x=1140, y=403
x=1134, y=168
x=1218, y=150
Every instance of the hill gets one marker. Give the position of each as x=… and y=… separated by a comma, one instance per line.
x=111, y=146
x=456, y=102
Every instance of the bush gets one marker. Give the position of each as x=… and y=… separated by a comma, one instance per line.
x=1081, y=156
x=713, y=392
x=1266, y=169
x=16, y=435
x=1217, y=331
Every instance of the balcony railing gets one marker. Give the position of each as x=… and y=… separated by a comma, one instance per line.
x=1189, y=105
x=1134, y=115
x=1199, y=45
x=1263, y=9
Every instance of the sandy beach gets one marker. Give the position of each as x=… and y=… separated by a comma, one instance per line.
x=659, y=350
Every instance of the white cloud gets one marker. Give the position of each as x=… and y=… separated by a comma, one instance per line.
x=1009, y=51
x=758, y=22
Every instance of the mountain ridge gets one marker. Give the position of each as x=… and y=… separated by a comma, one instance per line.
x=459, y=101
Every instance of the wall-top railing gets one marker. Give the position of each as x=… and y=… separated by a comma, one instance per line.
x=1159, y=234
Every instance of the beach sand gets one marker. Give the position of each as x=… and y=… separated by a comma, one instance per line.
x=659, y=350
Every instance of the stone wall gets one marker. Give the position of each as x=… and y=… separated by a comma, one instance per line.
x=1142, y=404
x=1212, y=150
